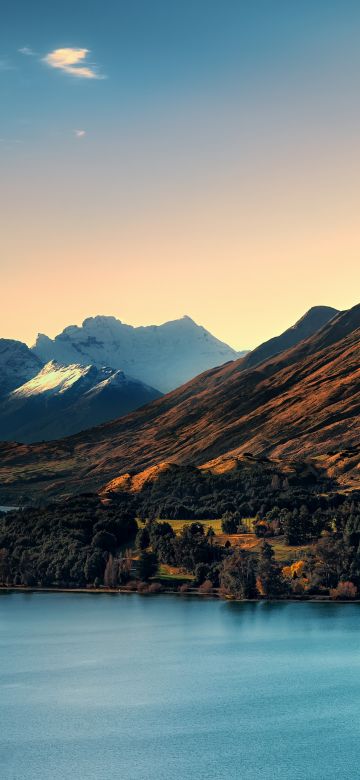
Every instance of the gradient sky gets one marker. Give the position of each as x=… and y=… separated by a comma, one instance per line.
x=201, y=158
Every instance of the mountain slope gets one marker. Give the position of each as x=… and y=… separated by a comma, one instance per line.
x=163, y=356
x=310, y=323
x=302, y=403
x=61, y=400
x=17, y=364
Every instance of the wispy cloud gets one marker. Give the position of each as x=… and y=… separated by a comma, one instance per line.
x=79, y=133
x=71, y=61
x=27, y=51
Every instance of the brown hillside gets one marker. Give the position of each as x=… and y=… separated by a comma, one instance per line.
x=304, y=402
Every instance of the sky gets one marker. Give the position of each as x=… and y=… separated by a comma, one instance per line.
x=169, y=157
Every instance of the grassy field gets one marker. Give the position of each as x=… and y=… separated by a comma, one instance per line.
x=172, y=573
x=287, y=553
x=283, y=552
x=178, y=525
x=248, y=541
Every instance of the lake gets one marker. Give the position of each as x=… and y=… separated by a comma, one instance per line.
x=94, y=687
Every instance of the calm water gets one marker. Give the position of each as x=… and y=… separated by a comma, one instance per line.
x=164, y=688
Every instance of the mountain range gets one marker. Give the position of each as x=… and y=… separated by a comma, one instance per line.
x=63, y=398
x=302, y=402
x=163, y=356
x=57, y=388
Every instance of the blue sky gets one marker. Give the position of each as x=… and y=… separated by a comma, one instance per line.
x=208, y=154
x=149, y=49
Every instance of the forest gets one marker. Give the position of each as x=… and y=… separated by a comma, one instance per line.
x=127, y=540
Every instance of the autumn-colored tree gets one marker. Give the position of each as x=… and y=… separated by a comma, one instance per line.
x=344, y=590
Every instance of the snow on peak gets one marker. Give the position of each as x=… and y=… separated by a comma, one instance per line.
x=54, y=378
x=163, y=356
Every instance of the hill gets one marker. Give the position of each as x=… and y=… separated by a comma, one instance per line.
x=303, y=403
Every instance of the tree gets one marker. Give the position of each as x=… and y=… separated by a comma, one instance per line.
x=94, y=566
x=146, y=565
x=111, y=574
x=142, y=540
x=125, y=566
x=105, y=541
x=157, y=531
x=237, y=575
x=291, y=528
x=231, y=522
x=269, y=581
x=191, y=548
x=5, y=570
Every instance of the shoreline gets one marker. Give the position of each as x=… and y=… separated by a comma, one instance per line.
x=194, y=593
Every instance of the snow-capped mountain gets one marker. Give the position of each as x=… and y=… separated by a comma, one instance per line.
x=61, y=400
x=17, y=364
x=163, y=356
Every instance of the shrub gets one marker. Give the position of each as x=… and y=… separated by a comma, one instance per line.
x=155, y=587
x=344, y=590
x=131, y=585
x=143, y=587
x=206, y=588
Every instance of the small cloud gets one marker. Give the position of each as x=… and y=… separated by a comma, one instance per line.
x=70, y=61
x=79, y=133
x=27, y=51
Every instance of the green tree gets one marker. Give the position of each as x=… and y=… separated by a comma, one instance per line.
x=269, y=581
x=146, y=565
x=142, y=540
x=105, y=541
x=238, y=575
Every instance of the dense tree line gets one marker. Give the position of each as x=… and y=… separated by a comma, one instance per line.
x=254, y=487
x=70, y=543
x=86, y=542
